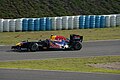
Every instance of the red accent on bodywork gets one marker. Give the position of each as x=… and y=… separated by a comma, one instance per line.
x=52, y=45
x=60, y=38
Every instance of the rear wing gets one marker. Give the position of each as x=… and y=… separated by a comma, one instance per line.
x=74, y=37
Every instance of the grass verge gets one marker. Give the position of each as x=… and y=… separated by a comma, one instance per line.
x=65, y=64
x=89, y=34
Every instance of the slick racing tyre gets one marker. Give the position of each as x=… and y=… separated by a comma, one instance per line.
x=77, y=46
x=33, y=47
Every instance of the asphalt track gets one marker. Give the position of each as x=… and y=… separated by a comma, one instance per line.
x=98, y=48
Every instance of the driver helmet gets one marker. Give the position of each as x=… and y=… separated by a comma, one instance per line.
x=52, y=37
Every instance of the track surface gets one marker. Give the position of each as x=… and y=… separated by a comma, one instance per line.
x=101, y=48
x=53, y=75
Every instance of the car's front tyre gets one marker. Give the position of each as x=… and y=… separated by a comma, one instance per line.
x=33, y=47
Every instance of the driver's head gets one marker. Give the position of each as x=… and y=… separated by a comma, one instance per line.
x=52, y=37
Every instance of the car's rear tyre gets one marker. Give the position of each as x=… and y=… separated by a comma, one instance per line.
x=33, y=47
x=77, y=46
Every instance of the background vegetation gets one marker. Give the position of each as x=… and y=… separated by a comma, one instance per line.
x=42, y=8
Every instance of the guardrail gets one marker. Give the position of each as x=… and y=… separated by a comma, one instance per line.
x=59, y=23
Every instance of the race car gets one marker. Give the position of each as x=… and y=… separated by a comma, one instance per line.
x=55, y=42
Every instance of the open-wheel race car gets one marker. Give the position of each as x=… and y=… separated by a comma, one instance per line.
x=56, y=43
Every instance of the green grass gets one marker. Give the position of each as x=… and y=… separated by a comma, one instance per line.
x=89, y=34
x=64, y=64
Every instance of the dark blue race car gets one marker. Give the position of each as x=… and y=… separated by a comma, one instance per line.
x=74, y=43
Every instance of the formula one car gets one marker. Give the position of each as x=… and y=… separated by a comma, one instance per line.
x=56, y=42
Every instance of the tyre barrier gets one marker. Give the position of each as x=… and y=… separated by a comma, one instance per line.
x=18, y=25
x=1, y=25
x=37, y=24
x=71, y=22
x=65, y=22
x=53, y=27
x=30, y=24
x=118, y=20
x=107, y=21
x=92, y=21
x=113, y=21
x=82, y=22
x=87, y=22
x=43, y=24
x=25, y=25
x=6, y=25
x=97, y=21
x=48, y=24
x=102, y=22
x=59, y=23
